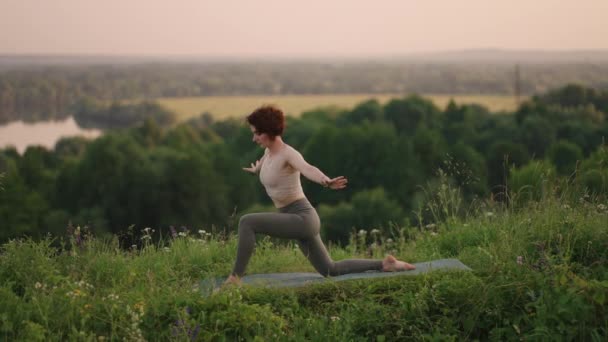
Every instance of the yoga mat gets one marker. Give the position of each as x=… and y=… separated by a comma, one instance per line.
x=275, y=280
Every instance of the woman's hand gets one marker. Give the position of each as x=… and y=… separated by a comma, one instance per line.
x=336, y=183
x=253, y=168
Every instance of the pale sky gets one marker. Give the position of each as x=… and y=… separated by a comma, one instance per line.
x=306, y=28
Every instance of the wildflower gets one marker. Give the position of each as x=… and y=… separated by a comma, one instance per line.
x=87, y=306
x=202, y=232
x=74, y=293
x=489, y=214
x=38, y=285
x=389, y=241
x=602, y=207
x=182, y=234
x=167, y=249
x=112, y=296
x=139, y=306
x=430, y=226
x=181, y=326
x=375, y=231
x=433, y=233
x=83, y=284
x=362, y=232
x=148, y=230
x=520, y=260
x=335, y=318
x=565, y=206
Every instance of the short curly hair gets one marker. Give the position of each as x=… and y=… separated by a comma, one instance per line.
x=268, y=119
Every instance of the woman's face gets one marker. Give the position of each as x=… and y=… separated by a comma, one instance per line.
x=261, y=139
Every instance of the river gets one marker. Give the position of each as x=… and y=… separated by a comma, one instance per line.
x=46, y=133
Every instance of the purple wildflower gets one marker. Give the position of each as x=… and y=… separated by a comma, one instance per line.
x=181, y=326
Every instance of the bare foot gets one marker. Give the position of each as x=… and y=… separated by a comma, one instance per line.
x=232, y=280
x=391, y=264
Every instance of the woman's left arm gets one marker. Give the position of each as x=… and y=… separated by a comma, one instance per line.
x=296, y=160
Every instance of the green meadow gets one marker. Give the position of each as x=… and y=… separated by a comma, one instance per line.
x=539, y=274
x=234, y=106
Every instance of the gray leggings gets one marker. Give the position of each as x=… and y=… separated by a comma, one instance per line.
x=298, y=220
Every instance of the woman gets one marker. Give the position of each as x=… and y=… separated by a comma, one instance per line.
x=279, y=169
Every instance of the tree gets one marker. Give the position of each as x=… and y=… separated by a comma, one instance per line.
x=408, y=113
x=430, y=149
x=564, y=155
x=71, y=147
x=537, y=134
x=367, y=111
x=594, y=171
x=501, y=157
x=468, y=169
x=369, y=209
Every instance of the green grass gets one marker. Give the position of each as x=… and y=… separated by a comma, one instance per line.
x=234, y=106
x=539, y=273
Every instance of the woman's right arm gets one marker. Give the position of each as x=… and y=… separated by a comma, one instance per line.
x=255, y=167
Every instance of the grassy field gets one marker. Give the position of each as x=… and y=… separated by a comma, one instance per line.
x=539, y=273
x=234, y=106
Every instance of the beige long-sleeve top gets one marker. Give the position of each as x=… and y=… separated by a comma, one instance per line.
x=280, y=175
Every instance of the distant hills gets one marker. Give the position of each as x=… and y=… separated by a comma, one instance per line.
x=491, y=56
x=515, y=56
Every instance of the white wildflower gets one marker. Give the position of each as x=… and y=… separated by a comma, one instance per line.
x=375, y=231
x=112, y=296
x=362, y=232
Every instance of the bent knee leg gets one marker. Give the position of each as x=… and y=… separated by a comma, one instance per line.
x=317, y=254
x=246, y=223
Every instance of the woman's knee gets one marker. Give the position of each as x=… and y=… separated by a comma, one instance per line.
x=333, y=271
x=245, y=222
x=328, y=272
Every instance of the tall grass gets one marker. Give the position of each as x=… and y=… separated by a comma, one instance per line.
x=540, y=272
